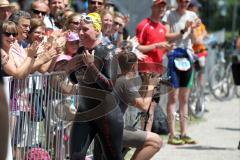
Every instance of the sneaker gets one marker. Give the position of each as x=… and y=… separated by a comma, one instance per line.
x=188, y=140
x=175, y=141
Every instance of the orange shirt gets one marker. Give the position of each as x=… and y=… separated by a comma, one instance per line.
x=198, y=32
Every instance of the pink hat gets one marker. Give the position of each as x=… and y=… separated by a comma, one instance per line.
x=156, y=2
x=72, y=36
x=63, y=57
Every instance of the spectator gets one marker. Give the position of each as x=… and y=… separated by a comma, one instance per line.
x=200, y=33
x=72, y=44
x=180, y=23
x=67, y=3
x=109, y=5
x=151, y=36
x=107, y=22
x=55, y=6
x=17, y=64
x=4, y=116
x=16, y=5
x=146, y=143
x=68, y=12
x=6, y=10
x=20, y=63
x=39, y=9
x=37, y=31
x=117, y=29
x=73, y=22
x=95, y=6
x=22, y=20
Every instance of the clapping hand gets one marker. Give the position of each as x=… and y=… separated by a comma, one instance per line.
x=88, y=58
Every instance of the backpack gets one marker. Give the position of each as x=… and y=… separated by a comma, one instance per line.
x=236, y=73
x=160, y=124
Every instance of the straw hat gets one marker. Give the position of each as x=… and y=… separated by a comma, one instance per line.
x=5, y=4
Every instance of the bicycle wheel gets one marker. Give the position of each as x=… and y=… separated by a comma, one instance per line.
x=196, y=104
x=218, y=82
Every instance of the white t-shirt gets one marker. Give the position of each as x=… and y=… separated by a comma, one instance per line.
x=177, y=22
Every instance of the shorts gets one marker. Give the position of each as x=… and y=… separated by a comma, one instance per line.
x=133, y=137
x=182, y=78
x=200, y=64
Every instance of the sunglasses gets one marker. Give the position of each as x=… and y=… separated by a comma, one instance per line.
x=96, y=2
x=182, y=1
x=8, y=34
x=86, y=19
x=75, y=23
x=38, y=12
x=117, y=23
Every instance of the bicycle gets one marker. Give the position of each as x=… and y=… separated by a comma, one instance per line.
x=196, y=100
x=221, y=82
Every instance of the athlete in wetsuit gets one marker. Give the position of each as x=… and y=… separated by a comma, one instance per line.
x=95, y=77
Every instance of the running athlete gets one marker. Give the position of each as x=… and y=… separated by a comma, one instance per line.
x=96, y=77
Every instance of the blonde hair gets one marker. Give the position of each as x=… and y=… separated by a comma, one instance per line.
x=35, y=23
x=9, y=26
x=70, y=18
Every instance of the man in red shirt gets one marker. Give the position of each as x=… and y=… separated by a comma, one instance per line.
x=151, y=36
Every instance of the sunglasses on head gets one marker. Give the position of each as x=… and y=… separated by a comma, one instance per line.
x=38, y=12
x=96, y=2
x=8, y=34
x=86, y=18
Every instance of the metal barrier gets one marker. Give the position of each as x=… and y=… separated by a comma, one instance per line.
x=37, y=111
x=36, y=131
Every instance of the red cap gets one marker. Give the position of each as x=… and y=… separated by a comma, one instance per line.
x=156, y=2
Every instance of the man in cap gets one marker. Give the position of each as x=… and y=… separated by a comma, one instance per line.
x=151, y=36
x=5, y=10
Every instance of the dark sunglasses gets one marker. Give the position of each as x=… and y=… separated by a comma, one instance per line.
x=183, y=1
x=96, y=2
x=8, y=34
x=38, y=12
x=75, y=23
x=116, y=23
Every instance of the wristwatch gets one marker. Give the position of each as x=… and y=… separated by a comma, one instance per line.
x=182, y=31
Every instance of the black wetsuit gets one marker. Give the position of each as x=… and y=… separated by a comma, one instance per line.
x=103, y=125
